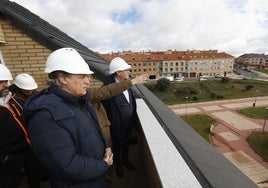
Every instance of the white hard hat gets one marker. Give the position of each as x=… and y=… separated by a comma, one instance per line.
x=68, y=60
x=5, y=73
x=25, y=81
x=118, y=64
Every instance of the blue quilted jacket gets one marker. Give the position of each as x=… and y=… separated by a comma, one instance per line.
x=66, y=138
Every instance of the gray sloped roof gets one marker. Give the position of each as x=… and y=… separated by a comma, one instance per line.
x=253, y=55
x=48, y=35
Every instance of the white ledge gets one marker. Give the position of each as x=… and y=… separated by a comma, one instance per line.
x=171, y=167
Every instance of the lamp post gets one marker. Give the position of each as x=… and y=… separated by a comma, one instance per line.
x=186, y=100
x=265, y=118
x=254, y=103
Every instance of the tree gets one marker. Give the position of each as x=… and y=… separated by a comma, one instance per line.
x=224, y=79
x=162, y=84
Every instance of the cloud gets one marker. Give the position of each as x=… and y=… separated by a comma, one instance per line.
x=233, y=26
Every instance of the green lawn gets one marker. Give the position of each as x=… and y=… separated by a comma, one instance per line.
x=258, y=141
x=210, y=90
x=257, y=113
x=262, y=70
x=200, y=123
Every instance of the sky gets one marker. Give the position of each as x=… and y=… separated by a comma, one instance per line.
x=232, y=26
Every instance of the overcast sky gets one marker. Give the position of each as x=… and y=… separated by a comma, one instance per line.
x=232, y=26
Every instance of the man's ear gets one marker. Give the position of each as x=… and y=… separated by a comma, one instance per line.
x=62, y=79
x=117, y=74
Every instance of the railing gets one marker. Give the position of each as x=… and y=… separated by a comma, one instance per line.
x=176, y=155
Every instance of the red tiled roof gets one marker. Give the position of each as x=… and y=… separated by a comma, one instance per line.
x=166, y=55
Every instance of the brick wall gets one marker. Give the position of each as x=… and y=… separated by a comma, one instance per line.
x=22, y=54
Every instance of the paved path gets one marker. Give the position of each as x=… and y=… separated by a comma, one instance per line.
x=231, y=133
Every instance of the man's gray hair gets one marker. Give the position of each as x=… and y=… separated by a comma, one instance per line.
x=54, y=78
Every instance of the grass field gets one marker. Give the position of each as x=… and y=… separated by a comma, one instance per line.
x=262, y=70
x=210, y=90
x=258, y=142
x=256, y=113
x=200, y=123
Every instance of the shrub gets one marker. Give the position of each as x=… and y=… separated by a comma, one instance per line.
x=162, y=84
x=220, y=97
x=224, y=80
x=195, y=98
x=249, y=87
x=212, y=95
x=191, y=90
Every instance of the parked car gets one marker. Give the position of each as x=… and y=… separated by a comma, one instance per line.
x=202, y=79
x=178, y=79
x=219, y=75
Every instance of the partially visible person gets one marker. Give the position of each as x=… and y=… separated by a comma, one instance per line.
x=23, y=87
x=14, y=141
x=121, y=111
x=63, y=126
x=99, y=94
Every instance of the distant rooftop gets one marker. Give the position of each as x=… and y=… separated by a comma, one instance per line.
x=166, y=55
x=253, y=55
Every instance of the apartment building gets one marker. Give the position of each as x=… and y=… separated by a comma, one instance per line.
x=190, y=63
x=141, y=62
x=252, y=60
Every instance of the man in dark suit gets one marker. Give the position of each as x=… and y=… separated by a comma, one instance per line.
x=121, y=111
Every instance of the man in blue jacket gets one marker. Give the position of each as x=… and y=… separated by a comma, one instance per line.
x=63, y=126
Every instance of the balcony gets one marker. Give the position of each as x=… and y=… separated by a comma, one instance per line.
x=169, y=153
